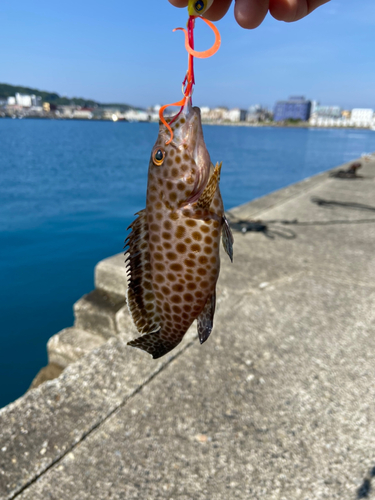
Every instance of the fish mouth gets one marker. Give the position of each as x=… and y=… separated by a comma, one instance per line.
x=188, y=137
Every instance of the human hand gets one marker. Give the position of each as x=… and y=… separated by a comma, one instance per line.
x=250, y=13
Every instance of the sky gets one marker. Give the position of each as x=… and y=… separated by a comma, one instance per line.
x=125, y=51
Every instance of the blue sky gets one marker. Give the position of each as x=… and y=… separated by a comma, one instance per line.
x=112, y=53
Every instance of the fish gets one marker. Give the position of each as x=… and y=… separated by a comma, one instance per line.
x=173, y=259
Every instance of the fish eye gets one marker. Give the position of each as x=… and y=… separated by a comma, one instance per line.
x=158, y=156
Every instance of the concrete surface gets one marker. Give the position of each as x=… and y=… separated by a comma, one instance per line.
x=279, y=403
x=96, y=312
x=70, y=345
x=110, y=275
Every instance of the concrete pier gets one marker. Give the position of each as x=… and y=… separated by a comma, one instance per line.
x=278, y=404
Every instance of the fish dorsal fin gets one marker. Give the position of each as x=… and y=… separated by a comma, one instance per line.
x=208, y=194
x=227, y=238
x=140, y=296
x=206, y=318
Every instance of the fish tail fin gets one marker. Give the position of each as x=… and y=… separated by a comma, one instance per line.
x=153, y=344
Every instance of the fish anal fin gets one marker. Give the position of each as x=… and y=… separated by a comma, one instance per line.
x=227, y=238
x=206, y=319
x=153, y=344
x=140, y=293
x=209, y=191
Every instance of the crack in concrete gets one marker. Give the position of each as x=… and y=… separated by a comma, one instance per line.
x=98, y=424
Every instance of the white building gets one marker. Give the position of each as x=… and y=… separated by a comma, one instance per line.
x=213, y=115
x=135, y=115
x=23, y=100
x=235, y=115
x=82, y=114
x=327, y=111
x=324, y=121
x=362, y=117
x=205, y=111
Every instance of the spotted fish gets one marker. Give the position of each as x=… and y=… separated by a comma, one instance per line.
x=173, y=257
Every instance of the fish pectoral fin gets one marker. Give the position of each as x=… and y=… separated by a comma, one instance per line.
x=227, y=238
x=153, y=344
x=206, y=319
x=209, y=191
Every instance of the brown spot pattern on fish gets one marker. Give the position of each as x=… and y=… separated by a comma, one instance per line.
x=174, y=256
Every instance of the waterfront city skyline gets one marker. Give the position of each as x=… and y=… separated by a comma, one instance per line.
x=113, y=54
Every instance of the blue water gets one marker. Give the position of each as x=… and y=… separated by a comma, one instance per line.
x=69, y=189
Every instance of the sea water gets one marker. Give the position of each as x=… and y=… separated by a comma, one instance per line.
x=69, y=190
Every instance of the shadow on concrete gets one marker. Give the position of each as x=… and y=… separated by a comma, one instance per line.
x=257, y=226
x=275, y=228
x=271, y=228
x=342, y=204
x=365, y=488
x=321, y=222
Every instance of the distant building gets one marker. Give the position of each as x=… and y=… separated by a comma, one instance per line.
x=205, y=111
x=362, y=117
x=322, y=121
x=153, y=113
x=107, y=113
x=213, y=115
x=326, y=112
x=36, y=100
x=258, y=113
x=314, y=107
x=296, y=108
x=135, y=115
x=66, y=111
x=326, y=116
x=82, y=114
x=23, y=100
x=235, y=115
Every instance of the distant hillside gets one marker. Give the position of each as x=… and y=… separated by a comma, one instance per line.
x=7, y=90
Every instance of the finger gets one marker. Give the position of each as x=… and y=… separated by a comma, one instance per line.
x=217, y=10
x=250, y=13
x=179, y=3
x=293, y=10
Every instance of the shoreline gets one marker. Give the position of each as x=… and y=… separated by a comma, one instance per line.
x=229, y=124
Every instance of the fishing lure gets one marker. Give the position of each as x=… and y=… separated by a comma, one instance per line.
x=189, y=81
x=173, y=259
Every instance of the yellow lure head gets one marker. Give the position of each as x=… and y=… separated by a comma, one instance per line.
x=198, y=7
